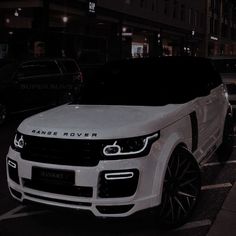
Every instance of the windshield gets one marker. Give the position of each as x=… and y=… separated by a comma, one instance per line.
x=147, y=83
x=226, y=65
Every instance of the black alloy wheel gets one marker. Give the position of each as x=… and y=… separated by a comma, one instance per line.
x=3, y=113
x=181, y=189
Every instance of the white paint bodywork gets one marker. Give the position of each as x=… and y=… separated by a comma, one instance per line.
x=108, y=122
x=114, y=122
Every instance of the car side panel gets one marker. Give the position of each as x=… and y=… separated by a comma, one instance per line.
x=179, y=133
x=210, y=112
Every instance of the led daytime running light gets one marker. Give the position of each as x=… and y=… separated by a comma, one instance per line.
x=116, y=150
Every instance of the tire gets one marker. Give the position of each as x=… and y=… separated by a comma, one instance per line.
x=3, y=113
x=226, y=148
x=181, y=189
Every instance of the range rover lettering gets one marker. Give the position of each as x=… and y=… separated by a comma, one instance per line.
x=145, y=126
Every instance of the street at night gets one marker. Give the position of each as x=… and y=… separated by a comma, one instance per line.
x=118, y=118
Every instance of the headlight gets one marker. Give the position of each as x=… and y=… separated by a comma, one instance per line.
x=130, y=146
x=19, y=142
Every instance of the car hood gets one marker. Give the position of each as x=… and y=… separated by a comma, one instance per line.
x=100, y=121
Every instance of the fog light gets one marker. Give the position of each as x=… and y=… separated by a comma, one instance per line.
x=13, y=170
x=121, y=175
x=121, y=183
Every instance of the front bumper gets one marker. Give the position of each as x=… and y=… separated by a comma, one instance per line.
x=114, y=188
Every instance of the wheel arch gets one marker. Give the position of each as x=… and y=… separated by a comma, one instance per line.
x=174, y=142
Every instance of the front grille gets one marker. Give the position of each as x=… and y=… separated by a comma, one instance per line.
x=79, y=191
x=62, y=151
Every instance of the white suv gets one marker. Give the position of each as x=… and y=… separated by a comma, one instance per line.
x=133, y=140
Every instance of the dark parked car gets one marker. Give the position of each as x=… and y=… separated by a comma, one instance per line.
x=226, y=65
x=37, y=83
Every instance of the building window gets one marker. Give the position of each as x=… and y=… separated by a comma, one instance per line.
x=154, y=5
x=216, y=27
x=224, y=30
x=166, y=7
x=197, y=18
x=128, y=2
x=191, y=18
x=202, y=20
x=143, y=3
x=211, y=25
x=212, y=5
x=234, y=33
x=182, y=12
x=175, y=9
x=217, y=7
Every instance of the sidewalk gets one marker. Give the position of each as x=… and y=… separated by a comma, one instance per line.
x=225, y=223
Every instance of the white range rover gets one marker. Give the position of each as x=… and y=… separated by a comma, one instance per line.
x=133, y=140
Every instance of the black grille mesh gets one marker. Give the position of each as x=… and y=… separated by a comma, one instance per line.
x=62, y=151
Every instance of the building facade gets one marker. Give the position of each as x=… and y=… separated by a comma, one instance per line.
x=221, y=27
x=154, y=27
x=96, y=31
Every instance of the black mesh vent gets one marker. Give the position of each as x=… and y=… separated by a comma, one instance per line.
x=114, y=209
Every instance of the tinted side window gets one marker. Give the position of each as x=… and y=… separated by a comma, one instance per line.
x=70, y=66
x=37, y=69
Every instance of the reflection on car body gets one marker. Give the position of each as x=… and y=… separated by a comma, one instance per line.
x=135, y=139
x=31, y=84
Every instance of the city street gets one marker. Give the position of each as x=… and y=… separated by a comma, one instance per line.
x=142, y=95
x=217, y=181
